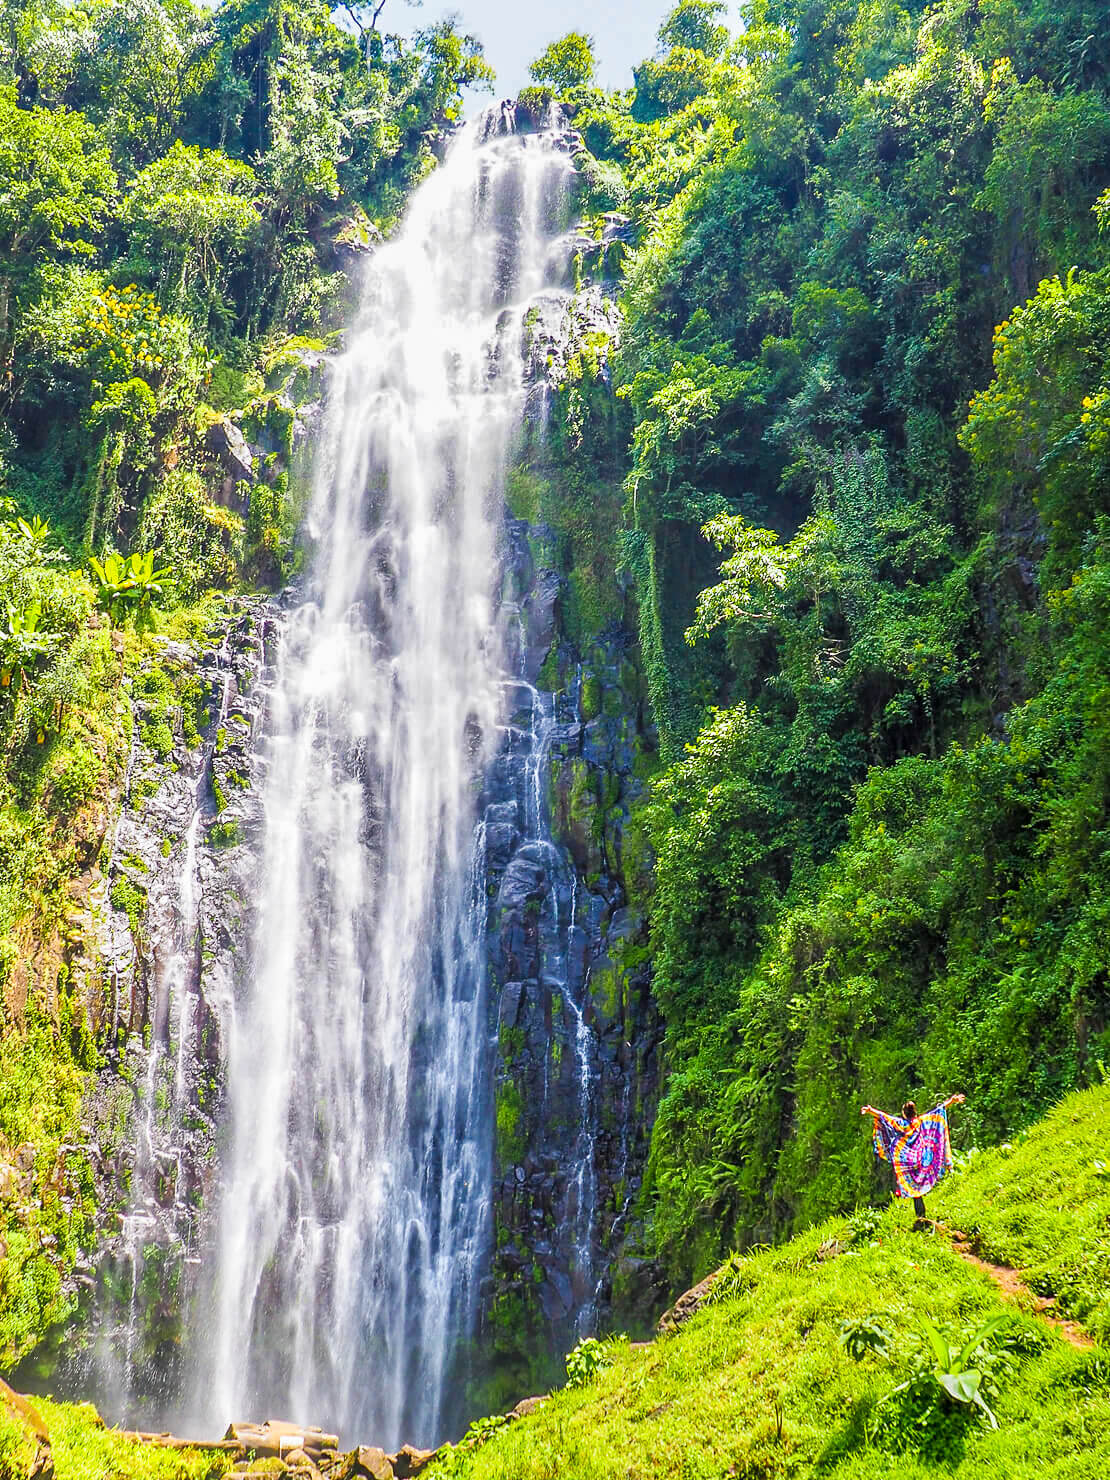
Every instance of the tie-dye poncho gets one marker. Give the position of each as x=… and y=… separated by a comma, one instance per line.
x=918, y=1151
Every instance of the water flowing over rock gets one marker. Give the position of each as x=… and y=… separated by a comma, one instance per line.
x=172, y=917
x=366, y=921
x=354, y=1221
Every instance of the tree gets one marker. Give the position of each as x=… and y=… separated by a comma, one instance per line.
x=1051, y=151
x=306, y=130
x=1040, y=432
x=567, y=63
x=55, y=185
x=191, y=215
x=451, y=60
x=134, y=65
x=694, y=25
x=690, y=41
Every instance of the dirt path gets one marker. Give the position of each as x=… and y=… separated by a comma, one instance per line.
x=1014, y=1289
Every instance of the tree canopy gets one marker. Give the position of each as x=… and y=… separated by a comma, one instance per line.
x=567, y=63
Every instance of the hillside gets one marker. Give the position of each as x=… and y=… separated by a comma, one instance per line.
x=761, y=1381
x=791, y=1366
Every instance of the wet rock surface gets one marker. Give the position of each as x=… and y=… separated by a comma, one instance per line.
x=573, y=1032
x=173, y=919
x=576, y=1031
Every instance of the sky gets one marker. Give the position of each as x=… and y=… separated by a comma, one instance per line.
x=515, y=32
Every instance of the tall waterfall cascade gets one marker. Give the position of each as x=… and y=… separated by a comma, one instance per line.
x=354, y=1220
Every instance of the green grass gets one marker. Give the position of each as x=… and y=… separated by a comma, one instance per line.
x=85, y=1450
x=758, y=1384
x=1042, y=1205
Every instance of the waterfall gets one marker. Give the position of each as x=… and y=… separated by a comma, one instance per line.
x=353, y=1225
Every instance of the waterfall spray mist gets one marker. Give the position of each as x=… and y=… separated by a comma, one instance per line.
x=354, y=1219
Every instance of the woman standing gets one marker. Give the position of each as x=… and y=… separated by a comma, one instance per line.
x=917, y=1148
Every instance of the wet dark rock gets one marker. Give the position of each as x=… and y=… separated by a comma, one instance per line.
x=365, y=1463
x=501, y=841
x=409, y=1461
x=164, y=975
x=567, y=738
x=307, y=423
x=511, y=995
x=539, y=609
x=616, y=226
x=575, y=1026
x=555, y=1306
x=356, y=240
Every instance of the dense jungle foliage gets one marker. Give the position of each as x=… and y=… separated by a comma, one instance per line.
x=866, y=511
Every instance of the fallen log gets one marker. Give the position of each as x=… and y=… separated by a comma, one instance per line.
x=170, y=1441
x=28, y=1418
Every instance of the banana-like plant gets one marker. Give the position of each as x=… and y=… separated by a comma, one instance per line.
x=28, y=542
x=130, y=583
x=36, y=531
x=22, y=644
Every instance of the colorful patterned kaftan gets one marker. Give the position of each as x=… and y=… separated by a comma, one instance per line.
x=919, y=1151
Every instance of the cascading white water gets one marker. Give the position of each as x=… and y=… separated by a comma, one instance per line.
x=354, y=1215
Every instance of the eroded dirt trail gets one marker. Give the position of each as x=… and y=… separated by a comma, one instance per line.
x=1015, y=1290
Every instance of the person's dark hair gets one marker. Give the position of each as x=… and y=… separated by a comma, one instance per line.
x=909, y=1111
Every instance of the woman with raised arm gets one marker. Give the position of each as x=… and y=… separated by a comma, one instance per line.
x=917, y=1148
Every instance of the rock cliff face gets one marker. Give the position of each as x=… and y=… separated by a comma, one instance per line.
x=574, y=1036
x=577, y=1035
x=174, y=926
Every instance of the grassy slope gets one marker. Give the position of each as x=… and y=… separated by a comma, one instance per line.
x=707, y=1402
x=758, y=1385
x=83, y=1450
x=1042, y=1205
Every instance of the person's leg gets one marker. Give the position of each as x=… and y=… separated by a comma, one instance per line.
x=919, y=1211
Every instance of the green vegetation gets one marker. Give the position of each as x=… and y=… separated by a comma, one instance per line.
x=84, y=1449
x=63, y=742
x=510, y=1145
x=857, y=1349
x=864, y=519
x=567, y=63
x=132, y=585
